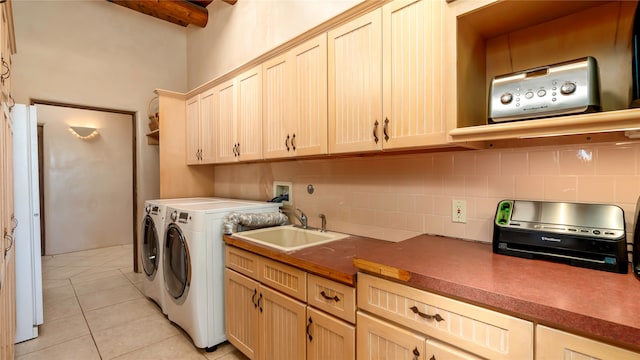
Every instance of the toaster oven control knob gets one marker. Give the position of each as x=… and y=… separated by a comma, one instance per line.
x=506, y=98
x=567, y=88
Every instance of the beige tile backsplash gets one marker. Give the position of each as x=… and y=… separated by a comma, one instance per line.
x=398, y=196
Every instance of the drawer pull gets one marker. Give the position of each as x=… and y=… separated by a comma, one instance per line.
x=308, y=326
x=334, y=298
x=435, y=317
x=416, y=353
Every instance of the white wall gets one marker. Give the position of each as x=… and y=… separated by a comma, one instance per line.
x=97, y=53
x=88, y=192
x=237, y=34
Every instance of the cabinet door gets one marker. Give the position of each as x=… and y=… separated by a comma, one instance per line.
x=225, y=121
x=249, y=138
x=207, y=128
x=241, y=312
x=277, y=98
x=438, y=350
x=193, y=130
x=377, y=339
x=282, y=326
x=309, y=120
x=412, y=74
x=329, y=337
x=555, y=344
x=355, y=85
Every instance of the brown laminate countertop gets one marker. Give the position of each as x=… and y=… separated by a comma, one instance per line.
x=333, y=260
x=597, y=304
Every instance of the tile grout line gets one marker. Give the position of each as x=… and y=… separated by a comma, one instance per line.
x=84, y=316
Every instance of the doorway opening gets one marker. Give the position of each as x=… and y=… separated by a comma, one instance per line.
x=85, y=179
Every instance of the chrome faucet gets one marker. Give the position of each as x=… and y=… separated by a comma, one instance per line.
x=323, y=228
x=302, y=218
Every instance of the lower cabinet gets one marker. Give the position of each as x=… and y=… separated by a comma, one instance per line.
x=378, y=339
x=556, y=344
x=329, y=337
x=267, y=315
x=440, y=325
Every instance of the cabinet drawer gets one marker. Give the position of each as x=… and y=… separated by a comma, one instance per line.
x=242, y=261
x=555, y=344
x=283, y=278
x=480, y=331
x=335, y=298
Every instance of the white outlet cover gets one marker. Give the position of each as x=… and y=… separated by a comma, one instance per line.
x=282, y=187
x=459, y=211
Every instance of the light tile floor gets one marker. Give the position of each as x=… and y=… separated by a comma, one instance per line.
x=94, y=308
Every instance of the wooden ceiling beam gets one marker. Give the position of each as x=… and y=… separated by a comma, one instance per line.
x=179, y=12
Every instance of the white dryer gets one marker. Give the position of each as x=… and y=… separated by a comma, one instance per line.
x=153, y=226
x=193, y=265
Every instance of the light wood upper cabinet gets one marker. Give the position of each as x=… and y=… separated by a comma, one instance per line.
x=552, y=344
x=413, y=97
x=386, y=79
x=355, y=85
x=193, y=130
x=295, y=101
x=225, y=120
x=309, y=118
x=238, y=117
x=249, y=132
x=276, y=114
x=200, y=130
x=201, y=136
x=208, y=136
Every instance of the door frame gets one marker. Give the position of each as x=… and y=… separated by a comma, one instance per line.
x=134, y=164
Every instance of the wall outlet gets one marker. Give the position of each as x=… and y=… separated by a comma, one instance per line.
x=459, y=211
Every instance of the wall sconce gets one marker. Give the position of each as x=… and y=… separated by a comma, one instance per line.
x=84, y=133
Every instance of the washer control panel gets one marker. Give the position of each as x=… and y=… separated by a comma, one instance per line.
x=567, y=88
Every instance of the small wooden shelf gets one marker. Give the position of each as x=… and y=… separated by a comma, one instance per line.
x=607, y=121
x=153, y=138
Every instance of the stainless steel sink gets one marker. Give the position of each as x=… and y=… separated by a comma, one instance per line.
x=288, y=238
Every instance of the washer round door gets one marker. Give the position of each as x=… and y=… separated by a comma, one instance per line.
x=177, y=264
x=150, y=246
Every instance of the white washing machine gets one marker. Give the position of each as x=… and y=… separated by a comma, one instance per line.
x=153, y=226
x=193, y=264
